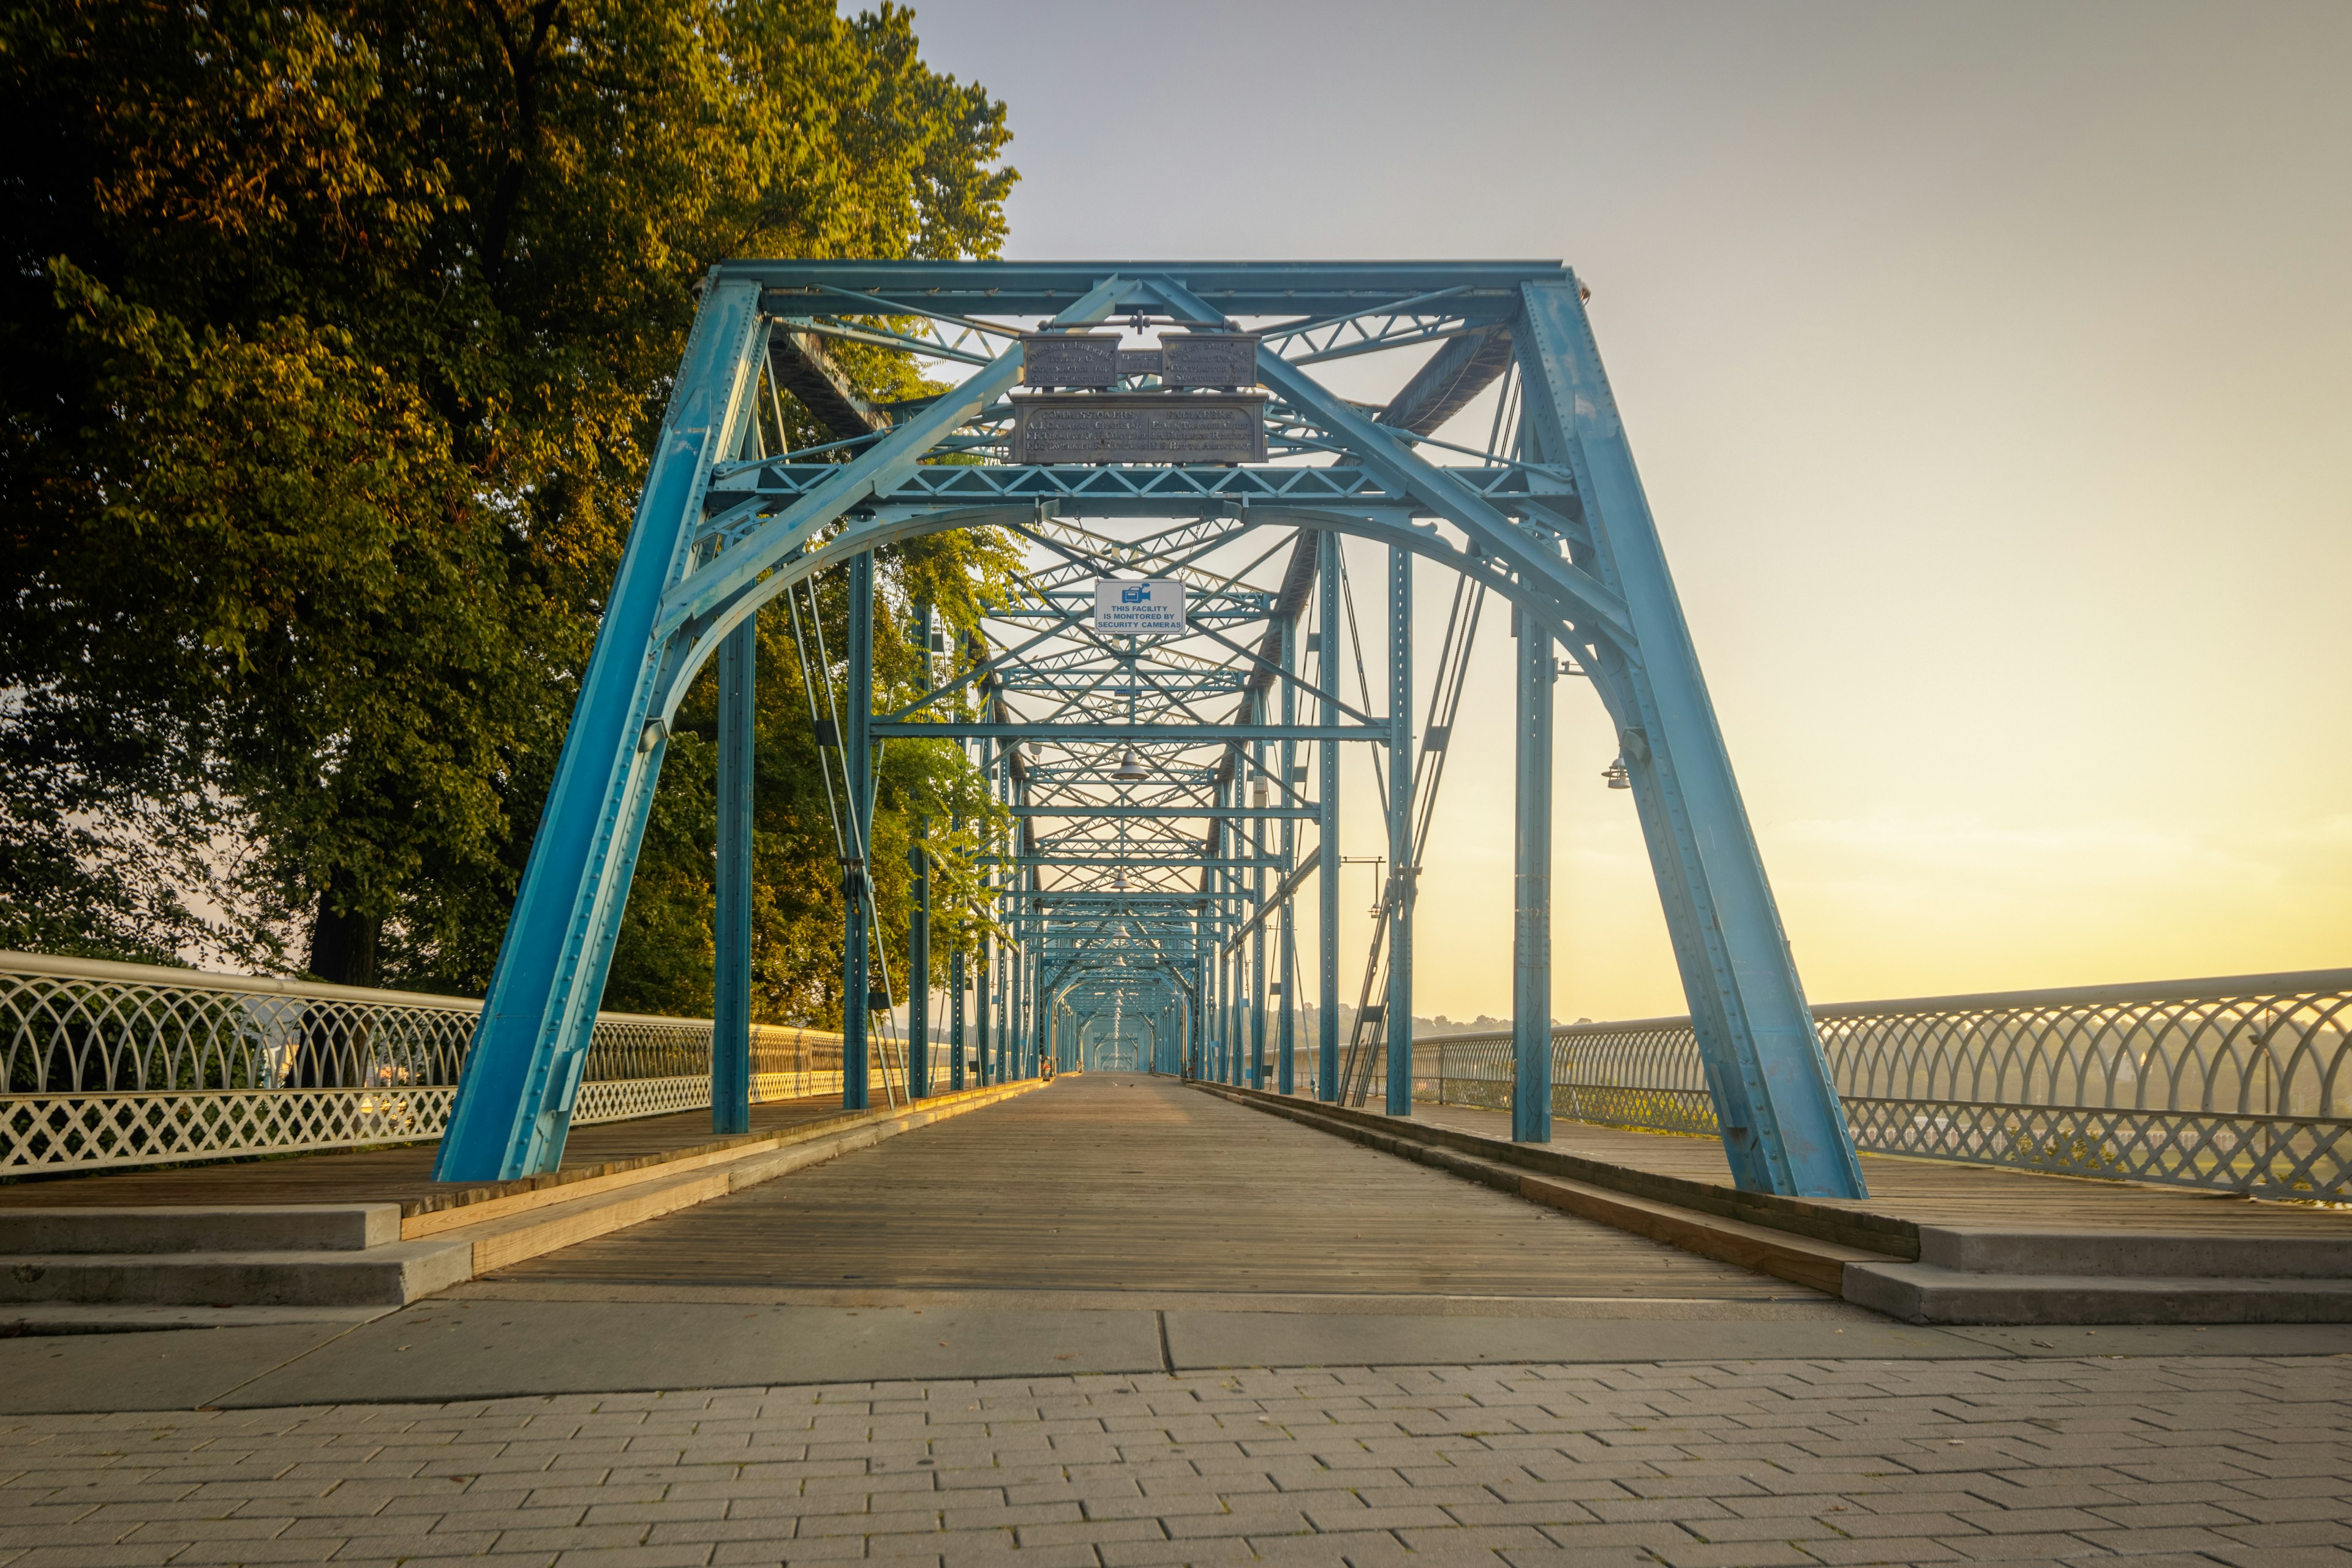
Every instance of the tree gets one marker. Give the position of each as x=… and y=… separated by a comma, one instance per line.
x=336, y=332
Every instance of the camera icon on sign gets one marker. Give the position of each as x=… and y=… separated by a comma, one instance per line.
x=1135, y=595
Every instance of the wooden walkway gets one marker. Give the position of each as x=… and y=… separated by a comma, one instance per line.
x=402, y=1174
x=1935, y=1192
x=1105, y=1184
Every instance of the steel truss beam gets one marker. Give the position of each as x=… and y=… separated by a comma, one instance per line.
x=1112, y=916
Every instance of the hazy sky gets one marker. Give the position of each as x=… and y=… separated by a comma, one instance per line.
x=1990, y=370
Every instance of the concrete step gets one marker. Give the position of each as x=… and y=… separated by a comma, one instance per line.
x=1925, y=1293
x=49, y=1318
x=323, y=1227
x=391, y=1275
x=2129, y=1254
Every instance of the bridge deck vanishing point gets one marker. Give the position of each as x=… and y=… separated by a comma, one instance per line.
x=1102, y=1223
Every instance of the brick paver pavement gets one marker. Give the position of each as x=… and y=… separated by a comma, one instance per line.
x=2168, y=1460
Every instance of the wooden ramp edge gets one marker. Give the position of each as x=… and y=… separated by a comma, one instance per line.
x=508, y=1228
x=1787, y=1238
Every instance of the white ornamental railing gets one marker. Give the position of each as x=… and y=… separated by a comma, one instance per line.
x=2241, y=1084
x=128, y=1063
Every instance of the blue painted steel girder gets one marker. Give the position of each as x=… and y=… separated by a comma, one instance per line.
x=1123, y=491
x=1488, y=291
x=1519, y=529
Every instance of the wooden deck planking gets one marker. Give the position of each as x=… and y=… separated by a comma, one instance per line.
x=1113, y=1183
x=1934, y=1192
x=399, y=1174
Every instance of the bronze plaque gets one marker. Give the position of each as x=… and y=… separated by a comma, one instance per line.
x=1140, y=427
x=1069, y=359
x=1209, y=359
x=1137, y=361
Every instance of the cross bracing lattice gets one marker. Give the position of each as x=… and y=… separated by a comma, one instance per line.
x=1191, y=775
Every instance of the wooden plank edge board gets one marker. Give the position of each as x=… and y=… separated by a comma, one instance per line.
x=1800, y=1259
x=1886, y=1235
x=602, y=1181
x=494, y=1243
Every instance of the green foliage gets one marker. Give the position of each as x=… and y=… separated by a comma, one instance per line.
x=336, y=333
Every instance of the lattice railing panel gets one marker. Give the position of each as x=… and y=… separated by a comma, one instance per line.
x=2240, y=1085
x=112, y=1064
x=69, y=1132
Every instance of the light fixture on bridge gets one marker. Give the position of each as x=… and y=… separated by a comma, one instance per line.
x=1129, y=770
x=1617, y=775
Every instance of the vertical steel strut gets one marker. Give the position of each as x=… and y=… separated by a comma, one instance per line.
x=856, y=882
x=1326, y=850
x=730, y=997
x=1399, y=1017
x=1531, y=925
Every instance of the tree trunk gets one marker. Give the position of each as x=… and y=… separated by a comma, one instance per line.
x=346, y=948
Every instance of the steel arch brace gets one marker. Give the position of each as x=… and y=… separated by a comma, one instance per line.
x=1596, y=609
x=514, y=1099
x=1783, y=1127
x=664, y=620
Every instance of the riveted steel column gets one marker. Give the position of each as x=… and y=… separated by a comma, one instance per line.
x=983, y=1068
x=1400, y=997
x=955, y=1019
x=919, y=926
x=857, y=748
x=1257, y=907
x=1783, y=1127
x=1287, y=1050
x=1326, y=828
x=523, y=1071
x=1042, y=1017
x=730, y=997
x=918, y=970
x=1531, y=928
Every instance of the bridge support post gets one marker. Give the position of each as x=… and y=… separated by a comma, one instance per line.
x=523, y=1071
x=1399, y=1017
x=1326, y=828
x=1783, y=1127
x=731, y=995
x=1196, y=1026
x=956, y=1045
x=1042, y=1019
x=857, y=752
x=1287, y=1049
x=1531, y=929
x=1000, y=992
x=919, y=932
x=1258, y=792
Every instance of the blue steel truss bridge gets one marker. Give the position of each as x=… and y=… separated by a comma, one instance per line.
x=1164, y=703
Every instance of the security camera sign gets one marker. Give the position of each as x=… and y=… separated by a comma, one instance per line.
x=1151, y=606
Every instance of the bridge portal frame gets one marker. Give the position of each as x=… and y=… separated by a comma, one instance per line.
x=1554, y=520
